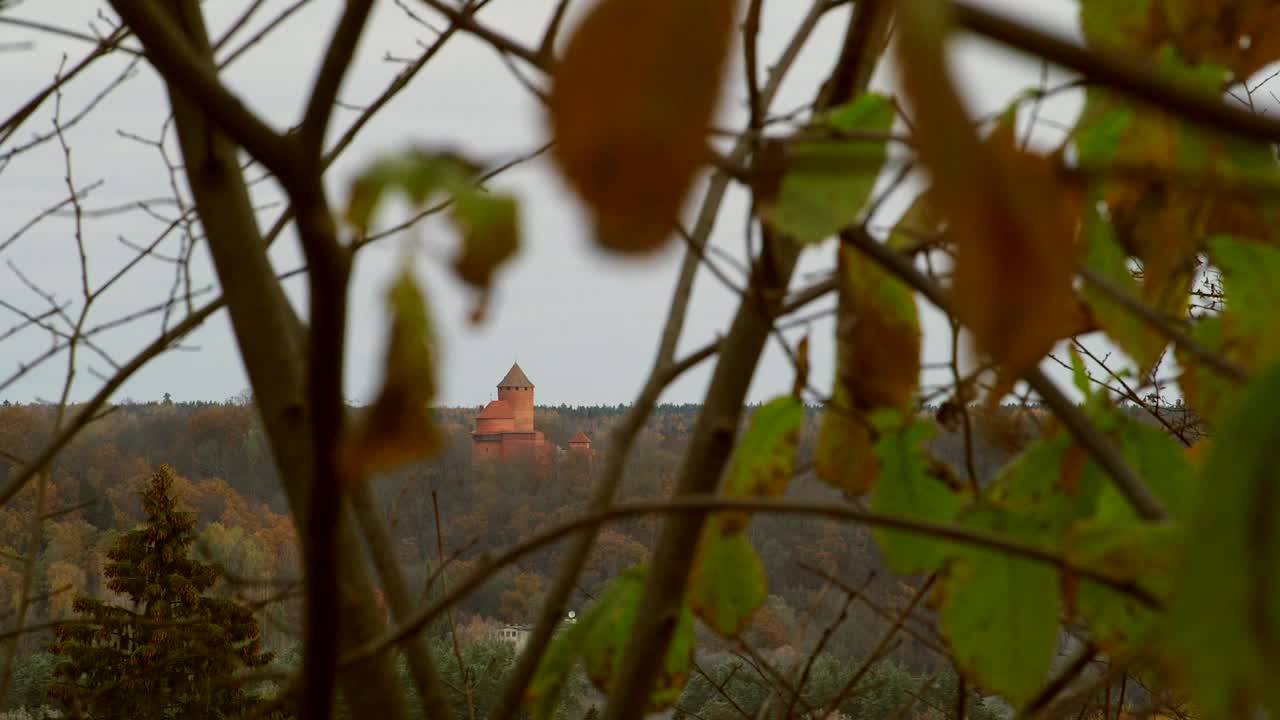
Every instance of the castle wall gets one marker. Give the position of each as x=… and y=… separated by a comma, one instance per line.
x=485, y=447
x=488, y=426
x=514, y=442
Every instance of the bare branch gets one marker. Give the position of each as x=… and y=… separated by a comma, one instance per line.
x=342, y=47
x=1109, y=68
x=179, y=63
x=1222, y=365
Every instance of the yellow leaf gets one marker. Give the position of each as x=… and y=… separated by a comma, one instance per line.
x=630, y=104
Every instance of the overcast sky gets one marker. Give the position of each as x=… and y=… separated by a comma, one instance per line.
x=582, y=324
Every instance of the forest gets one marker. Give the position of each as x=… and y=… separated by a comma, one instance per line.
x=445, y=515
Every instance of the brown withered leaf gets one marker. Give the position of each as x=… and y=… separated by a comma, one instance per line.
x=878, y=334
x=1160, y=230
x=1010, y=219
x=1014, y=281
x=1073, y=464
x=630, y=105
x=1005, y=430
x=398, y=427
x=845, y=456
x=877, y=367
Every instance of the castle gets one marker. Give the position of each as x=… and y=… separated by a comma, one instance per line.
x=504, y=428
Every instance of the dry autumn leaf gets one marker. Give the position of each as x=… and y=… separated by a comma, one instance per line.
x=1011, y=222
x=630, y=104
x=398, y=427
x=878, y=335
x=877, y=367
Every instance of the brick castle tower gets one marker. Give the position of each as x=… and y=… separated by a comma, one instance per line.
x=516, y=390
x=504, y=427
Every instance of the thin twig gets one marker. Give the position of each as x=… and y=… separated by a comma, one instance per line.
x=1220, y=364
x=708, y=503
x=881, y=647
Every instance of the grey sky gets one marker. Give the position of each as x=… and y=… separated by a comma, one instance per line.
x=582, y=324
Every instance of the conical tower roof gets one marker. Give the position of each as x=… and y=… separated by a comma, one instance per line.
x=515, y=378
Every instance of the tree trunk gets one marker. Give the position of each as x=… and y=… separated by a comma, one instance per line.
x=272, y=346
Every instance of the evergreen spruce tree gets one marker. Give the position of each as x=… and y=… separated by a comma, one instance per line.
x=172, y=653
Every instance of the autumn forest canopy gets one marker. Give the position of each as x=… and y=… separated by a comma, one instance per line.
x=1019, y=464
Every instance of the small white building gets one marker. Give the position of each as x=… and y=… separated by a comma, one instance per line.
x=517, y=635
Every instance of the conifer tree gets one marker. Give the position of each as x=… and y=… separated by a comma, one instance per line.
x=172, y=653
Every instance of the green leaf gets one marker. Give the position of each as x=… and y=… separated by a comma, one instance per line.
x=1160, y=460
x=1249, y=276
x=1223, y=628
x=1204, y=76
x=916, y=225
x=555, y=667
x=907, y=487
x=1205, y=389
x=1048, y=483
x=416, y=173
x=829, y=181
x=763, y=463
x=1105, y=257
x=877, y=291
x=612, y=621
x=488, y=223
x=490, y=232
x=1080, y=375
x=1101, y=131
x=1140, y=553
x=1000, y=612
x=1245, y=331
x=728, y=582
x=1115, y=24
